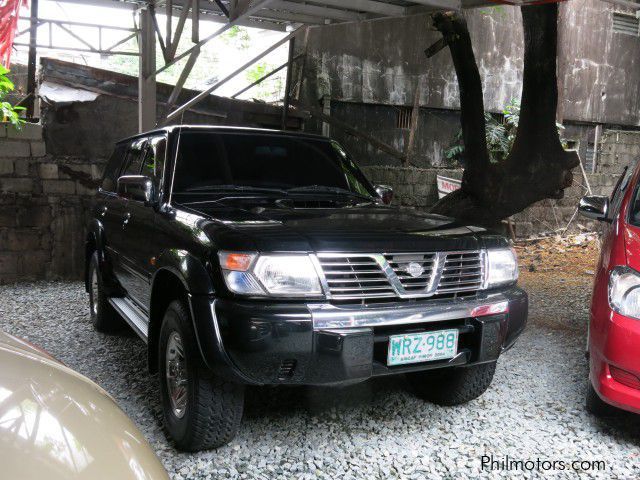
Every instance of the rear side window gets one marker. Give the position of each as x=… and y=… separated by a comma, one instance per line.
x=112, y=169
x=133, y=161
x=153, y=165
x=619, y=191
x=634, y=207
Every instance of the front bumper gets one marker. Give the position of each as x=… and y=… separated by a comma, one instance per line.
x=314, y=344
x=615, y=341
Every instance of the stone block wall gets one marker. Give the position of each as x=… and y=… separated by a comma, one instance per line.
x=43, y=207
x=412, y=187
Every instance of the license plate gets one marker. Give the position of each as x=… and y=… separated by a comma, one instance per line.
x=422, y=347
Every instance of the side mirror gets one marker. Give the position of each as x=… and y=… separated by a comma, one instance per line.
x=136, y=187
x=595, y=207
x=385, y=192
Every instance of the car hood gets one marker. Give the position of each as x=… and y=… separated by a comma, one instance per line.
x=357, y=229
x=57, y=424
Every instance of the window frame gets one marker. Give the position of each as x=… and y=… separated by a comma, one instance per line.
x=619, y=190
x=347, y=160
x=141, y=145
x=161, y=178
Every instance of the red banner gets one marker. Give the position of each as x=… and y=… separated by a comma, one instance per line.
x=9, y=11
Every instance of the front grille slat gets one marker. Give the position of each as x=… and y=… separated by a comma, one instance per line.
x=462, y=272
x=356, y=280
x=397, y=275
x=355, y=277
x=349, y=272
x=358, y=289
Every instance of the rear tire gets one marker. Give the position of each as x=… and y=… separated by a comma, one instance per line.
x=453, y=386
x=104, y=318
x=201, y=411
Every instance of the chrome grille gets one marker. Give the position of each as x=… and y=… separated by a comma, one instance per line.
x=400, y=264
x=403, y=275
x=355, y=276
x=462, y=272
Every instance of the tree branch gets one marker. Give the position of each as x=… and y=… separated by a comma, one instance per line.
x=537, y=166
x=455, y=32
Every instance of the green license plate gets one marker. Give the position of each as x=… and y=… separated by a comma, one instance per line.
x=422, y=347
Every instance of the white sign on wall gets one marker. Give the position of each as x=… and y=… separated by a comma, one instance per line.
x=447, y=185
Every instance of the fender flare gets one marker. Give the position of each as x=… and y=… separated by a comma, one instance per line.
x=189, y=269
x=196, y=281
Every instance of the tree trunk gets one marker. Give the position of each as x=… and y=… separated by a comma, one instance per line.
x=537, y=166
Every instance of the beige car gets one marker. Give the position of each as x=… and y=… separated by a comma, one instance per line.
x=57, y=424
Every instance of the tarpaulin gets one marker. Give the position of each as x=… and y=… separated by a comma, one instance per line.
x=9, y=10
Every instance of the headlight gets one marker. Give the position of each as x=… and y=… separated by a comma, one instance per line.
x=624, y=291
x=275, y=275
x=502, y=267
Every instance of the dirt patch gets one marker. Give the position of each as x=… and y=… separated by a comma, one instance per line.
x=558, y=274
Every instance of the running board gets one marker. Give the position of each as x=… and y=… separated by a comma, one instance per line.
x=132, y=315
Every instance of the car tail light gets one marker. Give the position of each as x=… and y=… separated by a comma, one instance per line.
x=624, y=377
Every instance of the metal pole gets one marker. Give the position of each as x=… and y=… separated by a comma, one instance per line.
x=260, y=4
x=287, y=86
x=264, y=77
x=31, y=62
x=202, y=95
x=146, y=74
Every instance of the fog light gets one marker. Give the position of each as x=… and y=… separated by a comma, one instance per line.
x=493, y=309
x=624, y=377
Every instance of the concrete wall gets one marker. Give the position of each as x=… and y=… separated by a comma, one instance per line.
x=43, y=200
x=435, y=133
x=383, y=62
x=370, y=72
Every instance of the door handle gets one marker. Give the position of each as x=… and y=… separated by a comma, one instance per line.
x=125, y=221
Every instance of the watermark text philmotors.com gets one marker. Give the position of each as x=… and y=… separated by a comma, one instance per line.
x=509, y=464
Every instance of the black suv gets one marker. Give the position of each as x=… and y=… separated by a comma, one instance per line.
x=257, y=257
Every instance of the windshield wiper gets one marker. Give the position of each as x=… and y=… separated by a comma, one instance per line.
x=326, y=189
x=231, y=188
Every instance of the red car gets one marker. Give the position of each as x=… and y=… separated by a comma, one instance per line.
x=614, y=328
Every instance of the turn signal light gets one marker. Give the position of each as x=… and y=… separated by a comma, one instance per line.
x=624, y=377
x=492, y=309
x=239, y=262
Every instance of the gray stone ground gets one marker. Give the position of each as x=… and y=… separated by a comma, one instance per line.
x=376, y=430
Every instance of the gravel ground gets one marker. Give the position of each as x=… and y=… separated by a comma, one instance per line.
x=376, y=430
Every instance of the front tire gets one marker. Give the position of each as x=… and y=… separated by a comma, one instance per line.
x=596, y=406
x=104, y=318
x=453, y=386
x=201, y=411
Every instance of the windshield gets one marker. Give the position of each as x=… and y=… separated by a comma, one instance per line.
x=256, y=162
